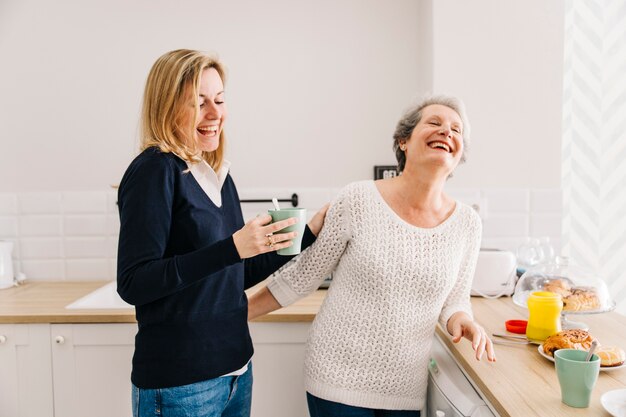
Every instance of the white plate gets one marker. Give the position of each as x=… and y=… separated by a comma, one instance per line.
x=615, y=402
x=602, y=368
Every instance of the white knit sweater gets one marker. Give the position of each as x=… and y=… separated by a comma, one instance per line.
x=370, y=342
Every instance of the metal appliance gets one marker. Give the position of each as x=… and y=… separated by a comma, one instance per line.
x=450, y=392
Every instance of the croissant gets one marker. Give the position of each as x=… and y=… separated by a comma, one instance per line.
x=574, y=298
x=568, y=339
x=581, y=299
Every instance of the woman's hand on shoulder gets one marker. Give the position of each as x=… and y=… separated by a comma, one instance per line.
x=461, y=325
x=317, y=222
x=257, y=236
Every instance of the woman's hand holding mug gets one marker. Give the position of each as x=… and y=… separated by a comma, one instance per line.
x=257, y=236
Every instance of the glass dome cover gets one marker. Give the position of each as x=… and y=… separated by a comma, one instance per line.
x=582, y=291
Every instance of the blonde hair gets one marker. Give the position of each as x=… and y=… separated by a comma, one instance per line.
x=169, y=82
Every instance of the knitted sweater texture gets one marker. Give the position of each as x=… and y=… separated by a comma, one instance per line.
x=392, y=282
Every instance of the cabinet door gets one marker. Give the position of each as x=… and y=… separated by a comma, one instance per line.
x=25, y=370
x=91, y=369
x=278, y=369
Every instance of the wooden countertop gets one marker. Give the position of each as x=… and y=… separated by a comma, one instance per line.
x=44, y=302
x=520, y=384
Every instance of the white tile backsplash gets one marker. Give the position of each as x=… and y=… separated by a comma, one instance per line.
x=507, y=200
x=8, y=204
x=113, y=224
x=112, y=201
x=43, y=270
x=96, y=247
x=548, y=200
x=39, y=203
x=112, y=242
x=503, y=225
x=545, y=225
x=113, y=268
x=36, y=226
x=73, y=235
x=84, y=202
x=87, y=269
x=74, y=225
x=8, y=227
x=41, y=248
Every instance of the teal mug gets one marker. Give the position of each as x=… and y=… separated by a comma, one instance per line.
x=286, y=213
x=577, y=377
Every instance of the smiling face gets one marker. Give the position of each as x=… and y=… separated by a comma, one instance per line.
x=210, y=111
x=437, y=139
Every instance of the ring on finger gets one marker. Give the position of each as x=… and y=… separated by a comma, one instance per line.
x=270, y=240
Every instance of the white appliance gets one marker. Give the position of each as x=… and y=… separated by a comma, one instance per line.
x=6, y=265
x=496, y=273
x=450, y=393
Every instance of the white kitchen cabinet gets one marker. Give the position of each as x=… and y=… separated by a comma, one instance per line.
x=91, y=366
x=25, y=371
x=278, y=366
x=77, y=370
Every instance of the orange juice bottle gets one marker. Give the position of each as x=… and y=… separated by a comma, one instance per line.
x=544, y=309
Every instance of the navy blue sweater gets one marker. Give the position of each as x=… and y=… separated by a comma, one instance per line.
x=178, y=264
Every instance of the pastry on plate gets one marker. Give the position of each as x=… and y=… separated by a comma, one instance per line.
x=574, y=298
x=611, y=356
x=568, y=339
x=581, y=299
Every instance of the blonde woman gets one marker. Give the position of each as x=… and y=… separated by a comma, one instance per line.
x=403, y=254
x=185, y=255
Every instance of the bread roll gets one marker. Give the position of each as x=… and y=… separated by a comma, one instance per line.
x=558, y=286
x=610, y=356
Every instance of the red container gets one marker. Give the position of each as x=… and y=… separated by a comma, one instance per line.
x=516, y=326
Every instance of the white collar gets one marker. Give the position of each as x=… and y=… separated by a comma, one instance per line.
x=210, y=181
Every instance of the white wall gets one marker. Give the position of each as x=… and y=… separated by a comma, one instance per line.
x=314, y=88
x=505, y=59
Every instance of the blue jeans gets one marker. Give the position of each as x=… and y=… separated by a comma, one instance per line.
x=226, y=396
x=324, y=408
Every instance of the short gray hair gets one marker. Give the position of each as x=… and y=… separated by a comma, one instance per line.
x=412, y=117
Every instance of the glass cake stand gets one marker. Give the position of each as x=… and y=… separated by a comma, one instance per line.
x=582, y=292
x=567, y=324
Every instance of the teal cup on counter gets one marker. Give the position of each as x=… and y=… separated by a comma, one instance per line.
x=286, y=213
x=577, y=377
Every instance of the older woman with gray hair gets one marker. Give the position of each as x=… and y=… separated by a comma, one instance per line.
x=402, y=253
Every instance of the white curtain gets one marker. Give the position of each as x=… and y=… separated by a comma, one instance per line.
x=594, y=140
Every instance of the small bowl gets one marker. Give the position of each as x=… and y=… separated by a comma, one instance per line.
x=516, y=326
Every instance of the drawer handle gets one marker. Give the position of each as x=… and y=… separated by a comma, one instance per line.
x=3, y=339
x=59, y=340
